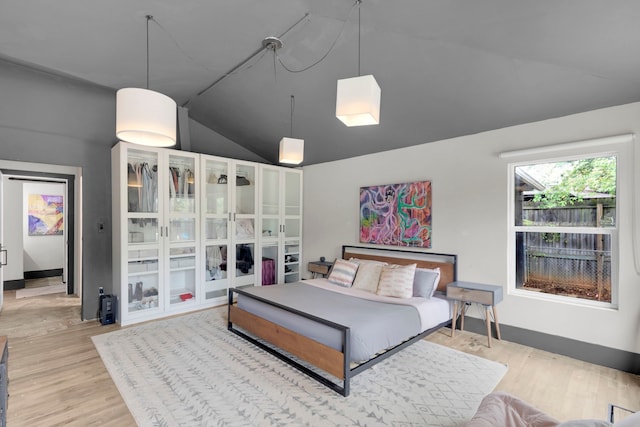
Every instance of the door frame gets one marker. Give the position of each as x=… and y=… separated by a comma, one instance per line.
x=73, y=177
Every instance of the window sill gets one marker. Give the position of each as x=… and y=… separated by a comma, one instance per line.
x=559, y=299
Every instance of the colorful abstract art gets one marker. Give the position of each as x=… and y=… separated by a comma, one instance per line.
x=396, y=214
x=45, y=215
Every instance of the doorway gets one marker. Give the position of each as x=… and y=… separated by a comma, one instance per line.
x=39, y=228
x=35, y=175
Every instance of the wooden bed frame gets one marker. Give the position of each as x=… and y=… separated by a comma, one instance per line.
x=296, y=349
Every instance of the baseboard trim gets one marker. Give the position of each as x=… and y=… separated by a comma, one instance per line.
x=41, y=274
x=604, y=356
x=12, y=285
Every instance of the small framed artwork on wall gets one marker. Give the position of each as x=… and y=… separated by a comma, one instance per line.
x=46, y=215
x=396, y=214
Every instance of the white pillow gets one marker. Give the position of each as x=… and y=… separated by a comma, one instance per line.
x=368, y=276
x=396, y=281
x=343, y=272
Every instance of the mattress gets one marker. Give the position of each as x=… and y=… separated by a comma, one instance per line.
x=376, y=323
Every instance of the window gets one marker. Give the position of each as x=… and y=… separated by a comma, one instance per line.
x=564, y=229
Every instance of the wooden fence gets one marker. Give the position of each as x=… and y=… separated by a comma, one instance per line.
x=569, y=259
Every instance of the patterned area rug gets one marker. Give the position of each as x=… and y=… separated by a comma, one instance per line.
x=190, y=371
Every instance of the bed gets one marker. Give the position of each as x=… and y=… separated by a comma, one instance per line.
x=333, y=333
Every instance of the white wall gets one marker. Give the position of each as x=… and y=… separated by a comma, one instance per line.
x=12, y=228
x=41, y=252
x=470, y=215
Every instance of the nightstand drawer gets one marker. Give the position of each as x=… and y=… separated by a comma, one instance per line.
x=319, y=267
x=471, y=295
x=474, y=292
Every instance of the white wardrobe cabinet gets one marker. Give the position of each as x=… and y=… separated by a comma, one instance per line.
x=188, y=226
x=155, y=231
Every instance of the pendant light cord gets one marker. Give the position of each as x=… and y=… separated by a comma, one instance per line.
x=293, y=104
x=149, y=18
x=359, y=8
x=333, y=44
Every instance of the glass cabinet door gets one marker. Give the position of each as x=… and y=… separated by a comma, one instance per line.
x=270, y=204
x=292, y=225
x=271, y=227
x=142, y=181
x=143, y=276
x=143, y=231
x=281, y=224
x=216, y=197
x=181, y=231
x=293, y=192
x=244, y=223
x=182, y=184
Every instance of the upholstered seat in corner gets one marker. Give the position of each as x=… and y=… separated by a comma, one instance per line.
x=503, y=409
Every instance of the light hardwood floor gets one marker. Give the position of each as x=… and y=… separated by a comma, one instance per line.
x=57, y=378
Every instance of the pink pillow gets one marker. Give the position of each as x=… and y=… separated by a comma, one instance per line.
x=343, y=273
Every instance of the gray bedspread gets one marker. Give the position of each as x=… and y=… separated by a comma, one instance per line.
x=374, y=325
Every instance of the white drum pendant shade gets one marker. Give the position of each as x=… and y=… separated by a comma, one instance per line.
x=358, y=101
x=291, y=151
x=145, y=117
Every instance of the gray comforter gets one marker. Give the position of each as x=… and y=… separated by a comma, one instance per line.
x=374, y=325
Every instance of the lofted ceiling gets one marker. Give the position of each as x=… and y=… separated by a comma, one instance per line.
x=446, y=68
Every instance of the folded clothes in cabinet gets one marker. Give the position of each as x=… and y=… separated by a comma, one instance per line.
x=268, y=271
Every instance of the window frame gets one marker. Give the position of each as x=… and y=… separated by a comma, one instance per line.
x=612, y=231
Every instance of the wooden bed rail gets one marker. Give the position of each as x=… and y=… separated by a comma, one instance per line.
x=330, y=360
x=320, y=355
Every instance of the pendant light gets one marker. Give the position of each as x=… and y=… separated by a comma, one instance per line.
x=145, y=117
x=291, y=149
x=358, y=98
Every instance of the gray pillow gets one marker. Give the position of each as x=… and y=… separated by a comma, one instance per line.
x=425, y=282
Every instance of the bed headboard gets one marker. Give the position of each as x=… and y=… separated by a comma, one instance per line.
x=446, y=262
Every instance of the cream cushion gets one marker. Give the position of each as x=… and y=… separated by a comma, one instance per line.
x=368, y=276
x=396, y=281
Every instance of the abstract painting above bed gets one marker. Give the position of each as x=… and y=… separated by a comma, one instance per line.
x=396, y=214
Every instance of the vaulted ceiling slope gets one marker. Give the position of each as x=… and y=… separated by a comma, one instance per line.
x=446, y=67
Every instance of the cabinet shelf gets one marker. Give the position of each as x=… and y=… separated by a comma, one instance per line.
x=176, y=269
x=138, y=306
x=182, y=256
x=142, y=273
x=175, y=297
x=139, y=245
x=137, y=260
